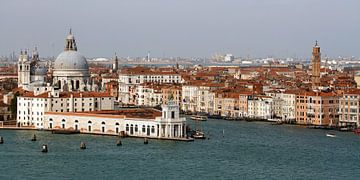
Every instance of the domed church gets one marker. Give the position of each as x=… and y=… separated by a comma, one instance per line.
x=70, y=71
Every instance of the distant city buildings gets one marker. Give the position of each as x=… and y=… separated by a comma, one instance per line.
x=69, y=93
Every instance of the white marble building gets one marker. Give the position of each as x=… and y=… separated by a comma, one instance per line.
x=31, y=107
x=70, y=71
x=151, y=123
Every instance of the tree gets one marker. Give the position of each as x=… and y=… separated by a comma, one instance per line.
x=13, y=106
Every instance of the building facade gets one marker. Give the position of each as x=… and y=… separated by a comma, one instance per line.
x=165, y=124
x=31, y=108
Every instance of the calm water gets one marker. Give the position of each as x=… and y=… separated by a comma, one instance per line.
x=247, y=151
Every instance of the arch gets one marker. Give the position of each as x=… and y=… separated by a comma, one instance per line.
x=76, y=125
x=116, y=124
x=89, y=122
x=50, y=119
x=103, y=123
x=63, y=123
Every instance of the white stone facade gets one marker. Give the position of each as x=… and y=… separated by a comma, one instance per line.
x=166, y=126
x=31, y=108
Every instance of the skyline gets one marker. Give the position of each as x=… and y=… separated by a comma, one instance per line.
x=187, y=28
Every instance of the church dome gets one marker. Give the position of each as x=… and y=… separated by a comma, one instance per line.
x=40, y=71
x=71, y=60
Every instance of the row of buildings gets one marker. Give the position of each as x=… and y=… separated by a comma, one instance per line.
x=68, y=94
x=314, y=96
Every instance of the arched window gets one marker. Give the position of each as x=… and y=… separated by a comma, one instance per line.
x=50, y=123
x=76, y=125
x=103, y=123
x=63, y=123
x=152, y=129
x=148, y=131
x=143, y=129
x=132, y=129
x=89, y=126
x=136, y=128
x=117, y=124
x=127, y=127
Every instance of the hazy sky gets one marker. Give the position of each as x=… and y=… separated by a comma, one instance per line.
x=188, y=28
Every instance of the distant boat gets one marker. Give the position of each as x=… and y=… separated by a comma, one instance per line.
x=198, y=135
x=199, y=118
x=330, y=135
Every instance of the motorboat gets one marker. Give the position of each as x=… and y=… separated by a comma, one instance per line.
x=199, y=118
x=198, y=135
x=330, y=135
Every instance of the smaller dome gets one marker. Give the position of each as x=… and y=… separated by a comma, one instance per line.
x=40, y=71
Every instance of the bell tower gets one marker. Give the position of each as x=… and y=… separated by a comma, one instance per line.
x=315, y=62
x=115, y=64
x=23, y=69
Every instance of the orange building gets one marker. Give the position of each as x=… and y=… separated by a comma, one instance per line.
x=317, y=108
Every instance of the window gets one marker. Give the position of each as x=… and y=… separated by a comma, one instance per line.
x=172, y=114
x=143, y=129
x=136, y=128
x=152, y=129
x=127, y=127
x=63, y=124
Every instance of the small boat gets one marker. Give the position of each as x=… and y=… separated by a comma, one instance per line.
x=198, y=118
x=330, y=135
x=198, y=135
x=65, y=131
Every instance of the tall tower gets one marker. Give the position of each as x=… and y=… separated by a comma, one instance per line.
x=315, y=62
x=70, y=44
x=115, y=64
x=23, y=69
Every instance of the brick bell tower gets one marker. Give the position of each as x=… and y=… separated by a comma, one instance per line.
x=315, y=62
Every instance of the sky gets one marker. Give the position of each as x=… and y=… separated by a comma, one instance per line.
x=182, y=28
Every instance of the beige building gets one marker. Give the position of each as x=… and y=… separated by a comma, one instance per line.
x=349, y=109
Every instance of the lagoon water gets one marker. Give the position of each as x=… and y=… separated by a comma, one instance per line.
x=248, y=150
